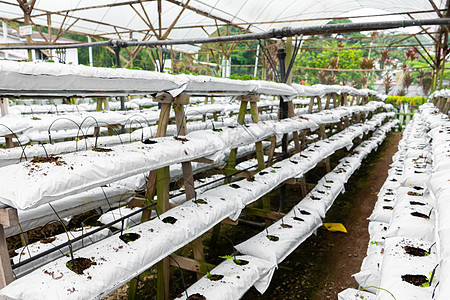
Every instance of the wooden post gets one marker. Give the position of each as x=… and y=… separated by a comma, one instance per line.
x=231, y=164
x=188, y=176
x=163, y=271
x=4, y=106
x=9, y=218
x=327, y=104
x=295, y=136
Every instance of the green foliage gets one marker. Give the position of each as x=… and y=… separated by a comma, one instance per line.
x=243, y=77
x=413, y=101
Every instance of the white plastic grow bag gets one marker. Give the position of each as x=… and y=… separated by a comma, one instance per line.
x=236, y=281
x=397, y=263
x=288, y=238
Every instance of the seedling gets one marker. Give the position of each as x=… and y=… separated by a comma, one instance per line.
x=417, y=280
x=240, y=262
x=200, y=201
x=415, y=194
x=213, y=277
x=272, y=238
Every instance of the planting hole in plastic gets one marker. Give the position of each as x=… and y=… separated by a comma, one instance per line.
x=234, y=186
x=200, y=201
x=286, y=225
x=196, y=296
x=417, y=280
x=420, y=215
x=273, y=238
x=78, y=265
x=149, y=142
x=414, y=251
x=214, y=277
x=170, y=220
x=129, y=237
x=98, y=149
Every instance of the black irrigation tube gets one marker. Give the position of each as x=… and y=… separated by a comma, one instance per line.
x=274, y=33
x=69, y=243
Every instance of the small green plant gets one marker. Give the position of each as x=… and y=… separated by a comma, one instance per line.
x=236, y=261
x=200, y=201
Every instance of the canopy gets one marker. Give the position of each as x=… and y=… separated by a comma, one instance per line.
x=177, y=19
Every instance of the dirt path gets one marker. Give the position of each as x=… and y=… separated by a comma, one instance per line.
x=350, y=249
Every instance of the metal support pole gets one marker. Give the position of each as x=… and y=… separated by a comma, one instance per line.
x=116, y=49
x=283, y=113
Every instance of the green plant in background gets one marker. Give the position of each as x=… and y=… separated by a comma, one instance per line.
x=412, y=101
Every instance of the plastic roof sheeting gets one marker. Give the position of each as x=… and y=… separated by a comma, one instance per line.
x=125, y=18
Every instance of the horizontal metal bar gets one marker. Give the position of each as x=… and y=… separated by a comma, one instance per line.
x=274, y=33
x=56, y=248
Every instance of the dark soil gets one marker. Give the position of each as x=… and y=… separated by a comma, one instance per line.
x=78, y=265
x=273, y=238
x=420, y=215
x=215, y=277
x=48, y=240
x=12, y=253
x=180, y=139
x=50, y=159
x=129, y=237
x=170, y=220
x=415, y=194
x=149, y=142
x=416, y=203
x=234, y=186
x=196, y=296
x=240, y=262
x=417, y=280
x=286, y=225
x=414, y=251
x=102, y=149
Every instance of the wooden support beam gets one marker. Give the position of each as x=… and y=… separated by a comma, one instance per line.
x=273, y=215
x=249, y=98
x=162, y=191
x=6, y=274
x=9, y=217
x=271, y=151
x=190, y=264
x=203, y=160
x=4, y=107
x=295, y=136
